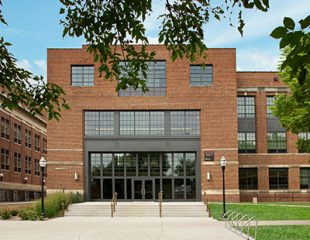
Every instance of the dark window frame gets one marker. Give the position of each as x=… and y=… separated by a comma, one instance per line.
x=203, y=73
x=5, y=128
x=5, y=159
x=37, y=142
x=278, y=178
x=28, y=165
x=17, y=162
x=17, y=133
x=28, y=138
x=83, y=82
x=246, y=141
x=247, y=106
x=186, y=124
x=250, y=177
x=305, y=178
x=270, y=103
x=276, y=142
x=36, y=167
x=157, y=85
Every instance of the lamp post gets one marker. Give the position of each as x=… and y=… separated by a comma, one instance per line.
x=223, y=165
x=42, y=164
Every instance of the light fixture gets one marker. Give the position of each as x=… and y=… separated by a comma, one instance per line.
x=76, y=176
x=1, y=176
x=223, y=161
x=208, y=176
x=223, y=165
x=25, y=180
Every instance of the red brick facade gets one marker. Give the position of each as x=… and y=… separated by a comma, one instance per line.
x=218, y=120
x=19, y=185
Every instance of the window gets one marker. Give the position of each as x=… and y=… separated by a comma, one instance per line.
x=248, y=178
x=278, y=178
x=5, y=159
x=142, y=123
x=99, y=123
x=270, y=100
x=28, y=165
x=246, y=142
x=82, y=75
x=276, y=142
x=155, y=82
x=246, y=107
x=44, y=145
x=304, y=139
x=17, y=163
x=201, y=75
x=17, y=134
x=28, y=138
x=36, y=167
x=5, y=128
x=185, y=123
x=36, y=142
x=304, y=178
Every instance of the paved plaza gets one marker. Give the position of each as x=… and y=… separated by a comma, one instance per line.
x=95, y=228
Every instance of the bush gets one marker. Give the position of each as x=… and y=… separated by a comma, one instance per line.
x=28, y=214
x=5, y=215
x=77, y=197
x=14, y=212
x=53, y=204
x=303, y=145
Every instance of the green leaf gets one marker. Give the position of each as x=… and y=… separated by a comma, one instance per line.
x=61, y=11
x=286, y=40
x=305, y=23
x=289, y=23
x=279, y=32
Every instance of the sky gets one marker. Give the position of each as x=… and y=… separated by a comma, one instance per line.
x=33, y=26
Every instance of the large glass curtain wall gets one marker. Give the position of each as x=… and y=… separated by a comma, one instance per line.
x=140, y=176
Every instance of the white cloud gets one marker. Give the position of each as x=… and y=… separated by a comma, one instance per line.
x=41, y=64
x=153, y=40
x=256, y=60
x=25, y=64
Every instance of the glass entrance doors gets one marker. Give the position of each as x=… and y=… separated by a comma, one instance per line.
x=141, y=176
x=143, y=189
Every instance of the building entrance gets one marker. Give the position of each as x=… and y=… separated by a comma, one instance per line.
x=141, y=176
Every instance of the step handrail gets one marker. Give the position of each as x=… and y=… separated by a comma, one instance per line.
x=160, y=203
x=113, y=204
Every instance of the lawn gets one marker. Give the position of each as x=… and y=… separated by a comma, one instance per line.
x=264, y=211
x=282, y=232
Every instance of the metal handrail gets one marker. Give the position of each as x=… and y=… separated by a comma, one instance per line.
x=113, y=204
x=240, y=225
x=160, y=203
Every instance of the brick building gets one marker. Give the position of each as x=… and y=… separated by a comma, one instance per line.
x=172, y=137
x=23, y=142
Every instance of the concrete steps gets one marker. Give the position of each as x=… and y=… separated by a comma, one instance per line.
x=138, y=209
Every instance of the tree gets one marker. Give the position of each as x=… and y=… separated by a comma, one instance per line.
x=106, y=24
x=21, y=88
x=293, y=109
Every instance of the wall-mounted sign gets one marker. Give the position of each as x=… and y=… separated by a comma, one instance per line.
x=208, y=156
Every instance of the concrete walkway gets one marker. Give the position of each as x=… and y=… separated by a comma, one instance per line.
x=95, y=228
x=285, y=222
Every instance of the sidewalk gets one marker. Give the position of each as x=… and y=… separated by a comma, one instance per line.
x=286, y=222
x=93, y=228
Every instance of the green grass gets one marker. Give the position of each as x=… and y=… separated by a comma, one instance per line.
x=263, y=211
x=298, y=232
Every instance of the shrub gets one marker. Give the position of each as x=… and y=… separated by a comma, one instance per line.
x=53, y=204
x=14, y=212
x=28, y=214
x=5, y=215
x=77, y=197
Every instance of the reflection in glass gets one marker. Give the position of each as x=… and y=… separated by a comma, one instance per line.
x=179, y=188
x=178, y=160
x=143, y=164
x=155, y=164
x=167, y=164
x=157, y=187
x=167, y=188
x=138, y=189
x=129, y=189
x=95, y=189
x=120, y=188
x=190, y=188
x=107, y=164
x=130, y=164
x=107, y=188
x=190, y=164
x=148, y=185
x=119, y=164
x=95, y=164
